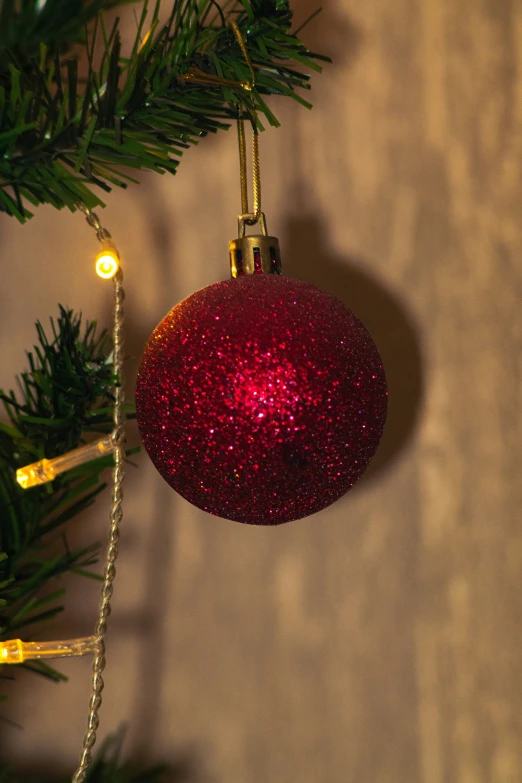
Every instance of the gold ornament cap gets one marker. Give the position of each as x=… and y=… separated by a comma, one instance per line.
x=255, y=253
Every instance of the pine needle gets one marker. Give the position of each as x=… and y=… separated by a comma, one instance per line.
x=60, y=135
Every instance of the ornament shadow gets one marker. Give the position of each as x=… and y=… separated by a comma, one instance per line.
x=306, y=256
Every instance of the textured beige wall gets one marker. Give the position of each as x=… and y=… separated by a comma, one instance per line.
x=380, y=641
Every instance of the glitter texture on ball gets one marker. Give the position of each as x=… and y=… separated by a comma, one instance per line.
x=261, y=399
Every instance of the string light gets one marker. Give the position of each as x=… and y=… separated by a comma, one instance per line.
x=107, y=261
x=16, y=651
x=109, y=266
x=47, y=469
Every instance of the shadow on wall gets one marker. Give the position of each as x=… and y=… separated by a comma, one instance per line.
x=327, y=33
x=306, y=255
x=185, y=770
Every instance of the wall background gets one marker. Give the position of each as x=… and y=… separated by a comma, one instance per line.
x=377, y=642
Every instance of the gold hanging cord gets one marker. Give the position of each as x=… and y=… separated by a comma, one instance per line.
x=256, y=216
x=198, y=76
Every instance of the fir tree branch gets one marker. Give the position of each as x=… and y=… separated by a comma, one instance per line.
x=60, y=135
x=58, y=23
x=63, y=398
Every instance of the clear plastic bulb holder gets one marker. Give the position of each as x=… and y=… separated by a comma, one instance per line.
x=47, y=469
x=16, y=651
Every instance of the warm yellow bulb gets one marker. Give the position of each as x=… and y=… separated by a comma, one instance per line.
x=107, y=264
x=16, y=651
x=47, y=469
x=37, y=473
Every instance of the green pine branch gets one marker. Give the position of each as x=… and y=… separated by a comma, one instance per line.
x=60, y=134
x=59, y=24
x=65, y=397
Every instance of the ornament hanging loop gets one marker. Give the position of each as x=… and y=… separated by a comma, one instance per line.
x=256, y=216
x=258, y=253
x=196, y=75
x=249, y=220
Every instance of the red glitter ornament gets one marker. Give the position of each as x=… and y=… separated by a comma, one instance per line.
x=261, y=399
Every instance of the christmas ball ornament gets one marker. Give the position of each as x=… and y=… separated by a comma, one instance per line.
x=261, y=399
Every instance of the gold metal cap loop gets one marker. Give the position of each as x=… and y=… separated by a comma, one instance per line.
x=250, y=219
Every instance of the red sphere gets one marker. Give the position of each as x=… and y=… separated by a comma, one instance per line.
x=261, y=399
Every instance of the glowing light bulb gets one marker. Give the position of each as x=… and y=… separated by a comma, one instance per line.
x=16, y=651
x=107, y=264
x=37, y=473
x=47, y=469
